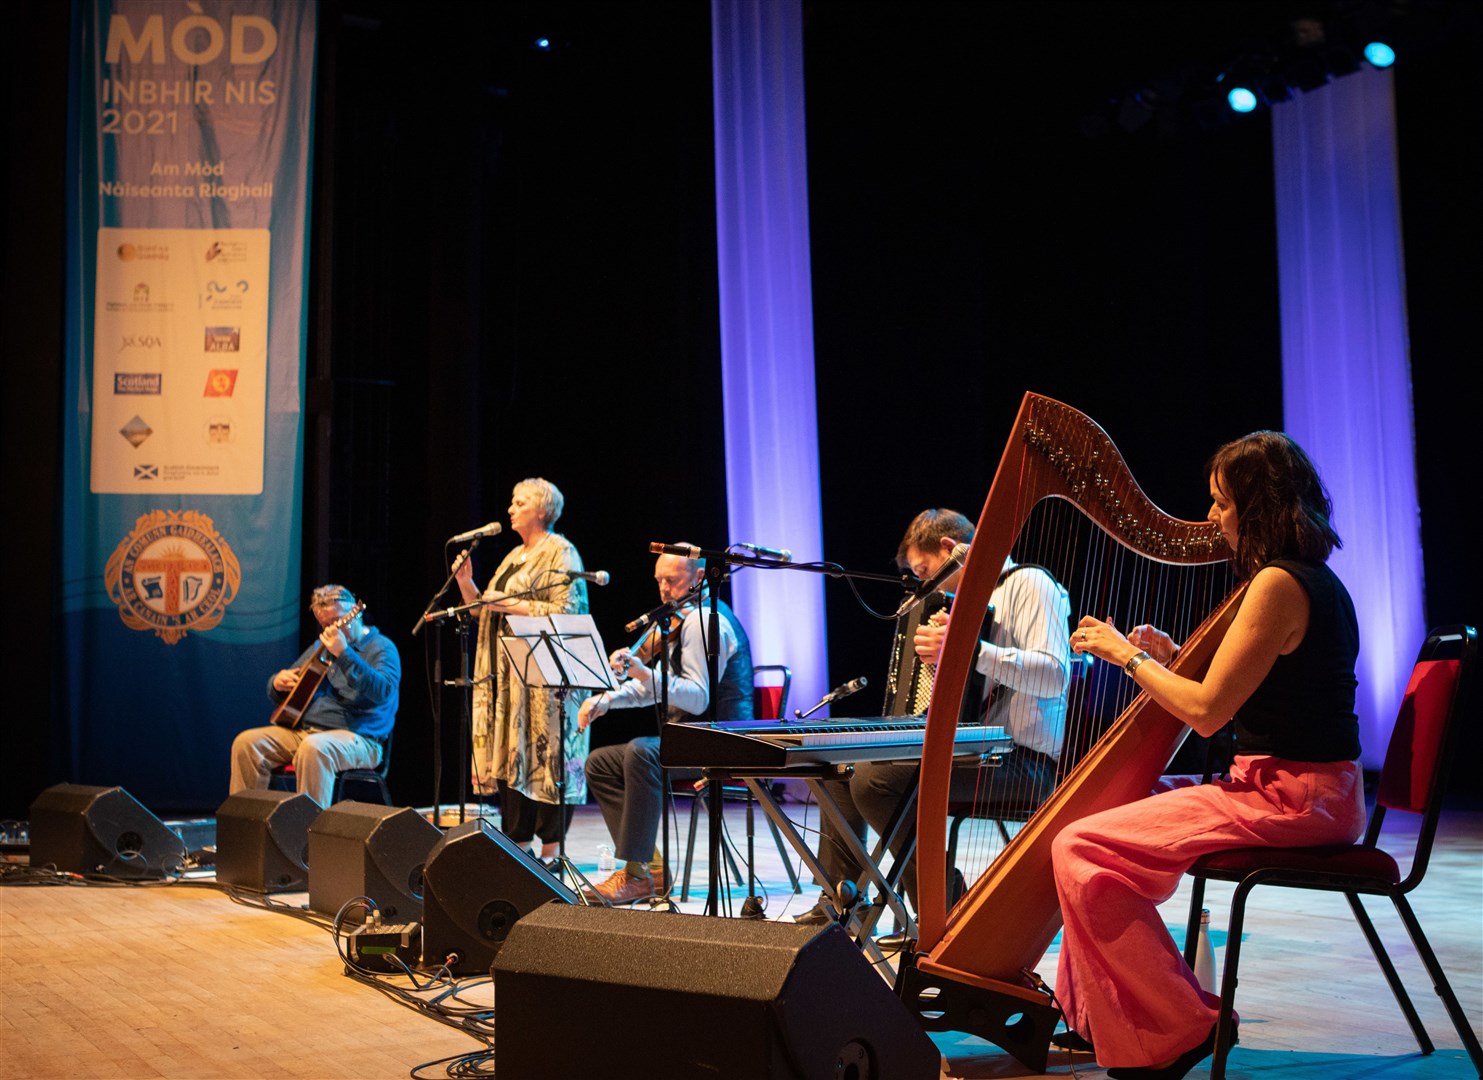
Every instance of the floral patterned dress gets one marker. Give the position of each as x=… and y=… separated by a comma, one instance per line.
x=516, y=730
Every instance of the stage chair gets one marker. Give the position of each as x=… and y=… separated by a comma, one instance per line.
x=1412, y=781
x=770, y=686
x=283, y=778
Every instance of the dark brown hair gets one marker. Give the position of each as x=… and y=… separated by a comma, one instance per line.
x=1282, y=507
x=926, y=531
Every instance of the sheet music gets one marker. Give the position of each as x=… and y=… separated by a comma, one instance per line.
x=557, y=650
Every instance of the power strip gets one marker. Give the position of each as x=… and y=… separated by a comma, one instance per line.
x=377, y=946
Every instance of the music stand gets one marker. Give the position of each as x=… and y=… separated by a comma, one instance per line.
x=560, y=653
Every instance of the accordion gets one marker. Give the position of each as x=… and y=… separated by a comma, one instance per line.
x=909, y=680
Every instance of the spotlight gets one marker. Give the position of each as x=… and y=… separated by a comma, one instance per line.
x=544, y=44
x=1379, y=54
x=1241, y=100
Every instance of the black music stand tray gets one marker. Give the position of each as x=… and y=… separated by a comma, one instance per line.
x=560, y=653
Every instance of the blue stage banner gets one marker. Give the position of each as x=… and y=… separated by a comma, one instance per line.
x=189, y=155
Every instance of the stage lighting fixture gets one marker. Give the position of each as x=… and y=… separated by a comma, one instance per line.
x=1241, y=99
x=543, y=43
x=1379, y=54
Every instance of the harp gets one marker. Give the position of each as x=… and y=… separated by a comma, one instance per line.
x=967, y=973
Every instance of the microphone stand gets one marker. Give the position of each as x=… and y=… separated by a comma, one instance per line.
x=714, y=576
x=437, y=702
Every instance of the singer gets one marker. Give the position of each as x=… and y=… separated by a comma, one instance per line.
x=1026, y=669
x=523, y=737
x=627, y=780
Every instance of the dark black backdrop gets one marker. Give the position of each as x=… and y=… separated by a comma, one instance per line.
x=513, y=274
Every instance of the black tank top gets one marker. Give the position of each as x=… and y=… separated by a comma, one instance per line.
x=1304, y=709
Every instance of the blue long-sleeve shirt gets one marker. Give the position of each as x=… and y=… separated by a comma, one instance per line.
x=361, y=690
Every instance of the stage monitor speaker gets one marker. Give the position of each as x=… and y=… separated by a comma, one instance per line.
x=692, y=996
x=262, y=840
x=479, y=883
x=101, y=830
x=366, y=849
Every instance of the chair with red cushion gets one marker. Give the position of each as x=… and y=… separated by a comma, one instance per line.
x=1411, y=781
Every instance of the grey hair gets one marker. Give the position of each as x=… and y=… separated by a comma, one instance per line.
x=548, y=498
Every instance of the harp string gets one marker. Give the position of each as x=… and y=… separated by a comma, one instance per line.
x=1104, y=578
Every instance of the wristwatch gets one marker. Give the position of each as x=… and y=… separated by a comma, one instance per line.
x=1134, y=660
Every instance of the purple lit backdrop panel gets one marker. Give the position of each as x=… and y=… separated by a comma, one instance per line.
x=767, y=337
x=1346, y=376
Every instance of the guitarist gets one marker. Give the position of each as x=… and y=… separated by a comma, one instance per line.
x=342, y=724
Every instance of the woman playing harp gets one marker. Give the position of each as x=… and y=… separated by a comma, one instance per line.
x=1285, y=671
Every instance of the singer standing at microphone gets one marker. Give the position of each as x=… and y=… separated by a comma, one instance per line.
x=1026, y=667
x=524, y=737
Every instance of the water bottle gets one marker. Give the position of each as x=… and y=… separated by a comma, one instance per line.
x=1205, y=955
x=605, y=859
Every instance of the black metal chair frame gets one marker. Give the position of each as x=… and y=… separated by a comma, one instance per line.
x=1332, y=869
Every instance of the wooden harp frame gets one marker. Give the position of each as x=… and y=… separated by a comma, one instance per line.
x=1011, y=914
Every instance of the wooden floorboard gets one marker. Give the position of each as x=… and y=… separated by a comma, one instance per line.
x=179, y=981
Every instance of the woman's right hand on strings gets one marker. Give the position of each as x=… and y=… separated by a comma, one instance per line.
x=1153, y=641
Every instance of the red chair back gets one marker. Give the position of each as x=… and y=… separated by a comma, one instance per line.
x=1408, y=779
x=770, y=700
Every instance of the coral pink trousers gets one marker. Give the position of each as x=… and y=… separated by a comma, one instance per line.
x=1122, y=982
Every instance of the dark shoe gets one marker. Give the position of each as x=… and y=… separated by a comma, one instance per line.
x=818, y=915
x=1176, y=1069
x=1070, y=1041
x=892, y=943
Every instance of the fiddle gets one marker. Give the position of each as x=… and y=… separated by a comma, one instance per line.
x=646, y=649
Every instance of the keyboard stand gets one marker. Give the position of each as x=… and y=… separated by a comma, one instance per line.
x=883, y=884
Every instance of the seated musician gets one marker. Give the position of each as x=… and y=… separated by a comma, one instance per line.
x=354, y=706
x=1026, y=667
x=1285, y=671
x=627, y=779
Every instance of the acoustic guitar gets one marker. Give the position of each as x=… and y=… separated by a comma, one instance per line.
x=310, y=676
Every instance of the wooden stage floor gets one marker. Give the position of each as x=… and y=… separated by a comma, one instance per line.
x=180, y=981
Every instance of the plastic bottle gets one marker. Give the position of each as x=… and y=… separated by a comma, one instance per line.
x=1205, y=954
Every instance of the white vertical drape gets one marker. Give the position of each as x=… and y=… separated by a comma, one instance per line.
x=767, y=335
x=1346, y=377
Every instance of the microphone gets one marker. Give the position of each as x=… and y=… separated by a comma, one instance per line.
x=928, y=587
x=844, y=690
x=597, y=577
x=685, y=551
x=854, y=686
x=494, y=528
x=780, y=554
x=649, y=618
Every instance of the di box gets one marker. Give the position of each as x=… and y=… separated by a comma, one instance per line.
x=366, y=849
x=479, y=883
x=262, y=840
x=691, y=996
x=101, y=830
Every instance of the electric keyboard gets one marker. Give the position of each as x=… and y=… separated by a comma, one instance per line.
x=765, y=744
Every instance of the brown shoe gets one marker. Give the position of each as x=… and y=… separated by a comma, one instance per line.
x=621, y=887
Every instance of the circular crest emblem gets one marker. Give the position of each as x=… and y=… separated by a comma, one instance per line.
x=172, y=574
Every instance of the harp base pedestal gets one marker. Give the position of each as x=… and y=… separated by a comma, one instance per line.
x=1019, y=1027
